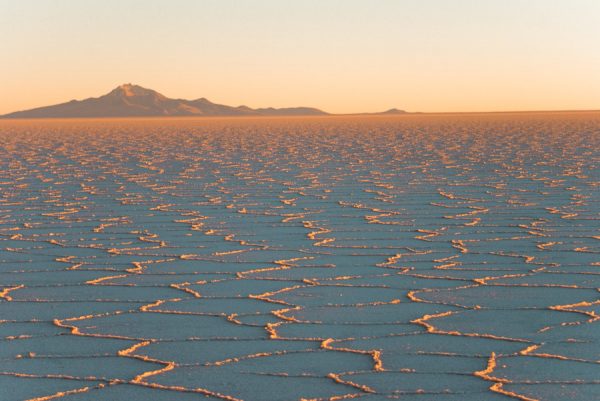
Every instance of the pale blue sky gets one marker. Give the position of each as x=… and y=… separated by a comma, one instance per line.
x=339, y=55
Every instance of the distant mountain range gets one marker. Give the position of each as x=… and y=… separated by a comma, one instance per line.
x=134, y=101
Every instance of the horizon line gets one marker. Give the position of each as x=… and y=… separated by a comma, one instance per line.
x=322, y=116
x=387, y=111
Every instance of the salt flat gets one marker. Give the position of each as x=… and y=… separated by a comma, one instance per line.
x=418, y=257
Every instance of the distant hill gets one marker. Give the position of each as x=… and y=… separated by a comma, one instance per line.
x=393, y=111
x=134, y=101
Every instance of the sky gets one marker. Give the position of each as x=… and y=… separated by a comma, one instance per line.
x=342, y=56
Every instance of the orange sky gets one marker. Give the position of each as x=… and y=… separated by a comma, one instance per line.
x=339, y=55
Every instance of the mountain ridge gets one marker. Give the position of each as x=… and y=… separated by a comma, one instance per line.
x=129, y=100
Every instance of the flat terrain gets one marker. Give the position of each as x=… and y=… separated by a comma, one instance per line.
x=419, y=257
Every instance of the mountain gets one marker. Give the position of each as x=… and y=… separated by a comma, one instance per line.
x=134, y=101
x=393, y=111
x=390, y=112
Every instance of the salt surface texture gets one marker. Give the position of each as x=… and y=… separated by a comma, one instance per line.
x=414, y=257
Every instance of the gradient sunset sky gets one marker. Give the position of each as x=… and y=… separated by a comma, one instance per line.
x=342, y=56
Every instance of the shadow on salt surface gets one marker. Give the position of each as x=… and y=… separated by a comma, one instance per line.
x=104, y=368
x=294, y=376
x=14, y=388
x=47, y=311
x=582, y=348
x=590, y=281
x=396, y=382
x=580, y=341
x=527, y=324
x=393, y=348
x=10, y=330
x=398, y=281
x=464, y=272
x=296, y=273
x=391, y=314
x=557, y=391
x=338, y=295
x=218, y=306
x=538, y=369
x=433, y=396
x=49, y=278
x=422, y=362
x=83, y=293
x=129, y=392
x=508, y=297
x=214, y=351
x=323, y=331
x=257, y=320
x=241, y=288
x=155, y=325
x=164, y=279
x=55, y=346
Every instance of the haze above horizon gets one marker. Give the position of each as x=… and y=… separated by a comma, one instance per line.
x=340, y=56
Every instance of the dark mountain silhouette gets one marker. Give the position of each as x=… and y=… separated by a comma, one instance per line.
x=132, y=100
